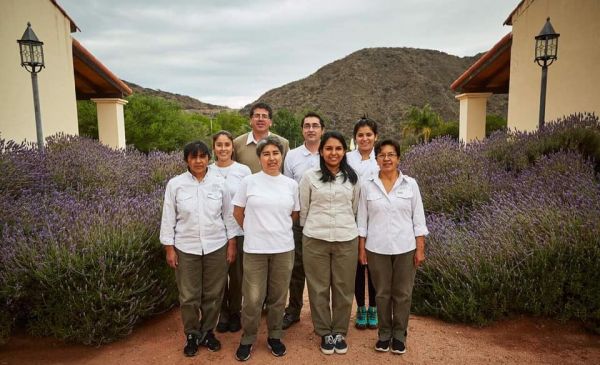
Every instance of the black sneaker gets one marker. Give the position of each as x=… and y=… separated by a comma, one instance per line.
x=382, y=345
x=398, y=347
x=340, y=345
x=191, y=345
x=289, y=320
x=327, y=344
x=234, y=323
x=222, y=327
x=211, y=342
x=243, y=352
x=276, y=346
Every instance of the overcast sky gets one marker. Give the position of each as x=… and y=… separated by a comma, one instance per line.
x=231, y=52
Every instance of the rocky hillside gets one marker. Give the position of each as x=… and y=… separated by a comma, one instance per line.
x=382, y=83
x=186, y=102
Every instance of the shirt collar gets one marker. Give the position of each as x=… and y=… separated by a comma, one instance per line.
x=251, y=139
x=305, y=151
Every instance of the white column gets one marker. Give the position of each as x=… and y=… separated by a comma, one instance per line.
x=111, y=121
x=473, y=108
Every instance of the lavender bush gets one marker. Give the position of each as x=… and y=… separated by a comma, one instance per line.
x=529, y=241
x=79, y=226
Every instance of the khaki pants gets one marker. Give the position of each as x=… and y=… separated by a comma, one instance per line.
x=298, y=278
x=265, y=273
x=393, y=277
x=330, y=267
x=200, y=280
x=232, y=297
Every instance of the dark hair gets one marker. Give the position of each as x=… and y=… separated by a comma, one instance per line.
x=194, y=149
x=270, y=140
x=261, y=105
x=313, y=115
x=347, y=171
x=387, y=142
x=365, y=122
x=221, y=133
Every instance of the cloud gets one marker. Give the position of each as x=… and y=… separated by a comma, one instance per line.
x=231, y=52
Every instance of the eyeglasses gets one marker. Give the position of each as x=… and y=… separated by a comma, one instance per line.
x=313, y=126
x=383, y=156
x=260, y=116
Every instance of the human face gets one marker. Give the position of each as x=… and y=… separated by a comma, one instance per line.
x=270, y=160
x=312, y=130
x=387, y=159
x=197, y=164
x=260, y=121
x=223, y=148
x=365, y=139
x=333, y=152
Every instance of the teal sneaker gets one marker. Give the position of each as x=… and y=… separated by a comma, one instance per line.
x=372, y=321
x=361, y=318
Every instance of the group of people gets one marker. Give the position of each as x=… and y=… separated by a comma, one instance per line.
x=262, y=220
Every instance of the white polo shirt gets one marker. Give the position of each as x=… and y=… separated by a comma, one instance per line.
x=298, y=161
x=197, y=215
x=364, y=168
x=233, y=175
x=391, y=221
x=269, y=202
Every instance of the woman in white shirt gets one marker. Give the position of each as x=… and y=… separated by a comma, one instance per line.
x=392, y=229
x=266, y=205
x=328, y=203
x=197, y=231
x=233, y=173
x=362, y=160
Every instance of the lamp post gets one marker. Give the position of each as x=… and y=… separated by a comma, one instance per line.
x=546, y=49
x=32, y=58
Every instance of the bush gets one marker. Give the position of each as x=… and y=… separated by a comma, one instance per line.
x=532, y=248
x=452, y=177
x=82, y=245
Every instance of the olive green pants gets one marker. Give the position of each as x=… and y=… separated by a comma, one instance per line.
x=200, y=280
x=330, y=268
x=393, y=277
x=232, y=296
x=297, y=282
x=265, y=273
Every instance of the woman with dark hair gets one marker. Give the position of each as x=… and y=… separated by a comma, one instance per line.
x=233, y=173
x=362, y=160
x=197, y=231
x=266, y=204
x=328, y=204
x=392, y=230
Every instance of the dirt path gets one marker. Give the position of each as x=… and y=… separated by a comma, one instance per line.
x=160, y=341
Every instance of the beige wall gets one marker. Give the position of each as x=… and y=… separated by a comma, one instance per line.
x=56, y=81
x=573, y=79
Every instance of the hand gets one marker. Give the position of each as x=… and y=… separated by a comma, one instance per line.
x=172, y=259
x=231, y=250
x=362, y=256
x=420, y=251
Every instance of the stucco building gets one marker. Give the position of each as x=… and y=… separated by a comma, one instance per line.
x=71, y=73
x=509, y=67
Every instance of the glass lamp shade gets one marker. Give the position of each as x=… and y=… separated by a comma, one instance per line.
x=32, y=51
x=546, y=45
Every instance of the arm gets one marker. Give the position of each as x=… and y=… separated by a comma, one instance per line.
x=167, y=226
x=304, y=193
x=238, y=214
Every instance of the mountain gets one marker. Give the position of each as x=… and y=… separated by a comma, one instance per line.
x=186, y=102
x=382, y=83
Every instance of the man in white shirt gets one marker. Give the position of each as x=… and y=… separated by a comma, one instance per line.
x=244, y=146
x=298, y=161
